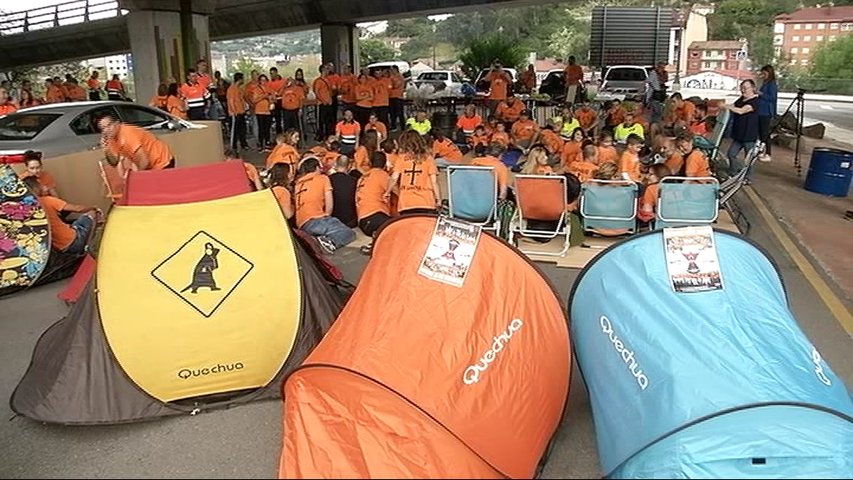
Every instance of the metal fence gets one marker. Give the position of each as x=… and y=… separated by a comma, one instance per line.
x=68, y=13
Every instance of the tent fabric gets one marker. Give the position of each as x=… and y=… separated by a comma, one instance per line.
x=135, y=347
x=75, y=287
x=24, y=234
x=419, y=378
x=684, y=384
x=184, y=185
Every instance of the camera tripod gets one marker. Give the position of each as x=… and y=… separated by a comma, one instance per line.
x=799, y=106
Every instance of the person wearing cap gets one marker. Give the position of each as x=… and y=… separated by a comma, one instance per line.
x=523, y=131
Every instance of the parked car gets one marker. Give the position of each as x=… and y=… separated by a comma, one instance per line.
x=68, y=139
x=554, y=85
x=482, y=85
x=440, y=79
x=625, y=82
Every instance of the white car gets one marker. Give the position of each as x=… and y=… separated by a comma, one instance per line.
x=624, y=82
x=440, y=80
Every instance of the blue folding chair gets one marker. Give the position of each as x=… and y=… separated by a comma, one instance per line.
x=681, y=204
x=609, y=206
x=472, y=195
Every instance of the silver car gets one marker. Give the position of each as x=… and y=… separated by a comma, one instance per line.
x=63, y=128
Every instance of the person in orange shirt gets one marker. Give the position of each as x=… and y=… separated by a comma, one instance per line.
x=491, y=125
x=285, y=149
x=279, y=179
x=527, y=80
x=275, y=87
x=666, y=148
x=251, y=171
x=175, y=105
x=684, y=111
x=94, y=86
x=490, y=158
x=574, y=76
x=262, y=103
x=348, y=132
x=131, y=147
x=299, y=80
x=363, y=153
x=196, y=95
x=537, y=162
x=115, y=89
x=629, y=162
x=35, y=168
x=614, y=114
x=382, y=86
x=370, y=205
x=695, y=162
x=314, y=205
x=524, y=131
x=550, y=139
x=588, y=119
x=7, y=104
x=292, y=98
x=237, y=112
x=363, y=99
x=63, y=237
x=586, y=167
x=347, y=87
x=572, y=149
x=500, y=136
x=499, y=81
x=509, y=110
x=415, y=177
x=649, y=200
x=389, y=148
x=606, y=151
x=75, y=92
x=467, y=123
x=444, y=150
x=323, y=91
x=479, y=139
x=52, y=92
x=374, y=125
x=699, y=124
x=398, y=117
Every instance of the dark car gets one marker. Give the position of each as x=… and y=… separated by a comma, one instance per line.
x=554, y=85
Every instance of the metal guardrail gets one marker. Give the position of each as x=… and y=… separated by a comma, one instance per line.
x=69, y=13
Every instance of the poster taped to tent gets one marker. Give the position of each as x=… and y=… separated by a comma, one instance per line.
x=450, y=251
x=691, y=259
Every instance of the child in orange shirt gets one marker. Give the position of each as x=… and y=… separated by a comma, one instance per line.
x=285, y=149
x=500, y=136
x=537, y=162
x=606, y=151
x=479, y=138
x=585, y=168
x=650, y=195
x=279, y=176
x=629, y=162
x=695, y=162
x=572, y=149
x=552, y=141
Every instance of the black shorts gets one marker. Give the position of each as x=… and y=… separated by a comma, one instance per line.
x=371, y=223
x=418, y=211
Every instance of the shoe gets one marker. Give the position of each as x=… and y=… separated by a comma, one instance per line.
x=327, y=245
x=367, y=249
x=764, y=158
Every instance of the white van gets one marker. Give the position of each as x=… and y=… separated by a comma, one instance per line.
x=404, y=67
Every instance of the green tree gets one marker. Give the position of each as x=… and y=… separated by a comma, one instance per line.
x=245, y=65
x=480, y=53
x=372, y=50
x=834, y=59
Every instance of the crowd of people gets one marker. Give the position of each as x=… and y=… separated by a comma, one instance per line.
x=56, y=90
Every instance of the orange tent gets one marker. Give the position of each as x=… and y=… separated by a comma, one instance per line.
x=421, y=379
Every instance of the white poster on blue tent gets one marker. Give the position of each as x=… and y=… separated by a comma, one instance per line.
x=691, y=259
x=450, y=252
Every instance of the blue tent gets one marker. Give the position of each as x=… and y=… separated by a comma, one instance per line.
x=713, y=384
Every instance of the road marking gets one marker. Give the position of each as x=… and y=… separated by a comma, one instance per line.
x=833, y=303
x=826, y=107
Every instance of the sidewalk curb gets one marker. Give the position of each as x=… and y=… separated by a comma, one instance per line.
x=819, y=98
x=794, y=247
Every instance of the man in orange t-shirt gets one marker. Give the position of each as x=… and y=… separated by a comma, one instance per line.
x=467, y=123
x=237, y=107
x=587, y=118
x=398, y=117
x=53, y=94
x=63, y=237
x=574, y=77
x=382, y=86
x=94, y=86
x=695, y=162
x=292, y=99
x=524, y=130
x=133, y=147
x=346, y=87
x=509, y=110
x=444, y=150
x=629, y=162
x=499, y=81
x=490, y=159
x=323, y=91
x=372, y=209
x=275, y=85
x=314, y=205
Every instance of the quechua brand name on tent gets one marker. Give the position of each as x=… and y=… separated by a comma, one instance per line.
x=818, y=369
x=187, y=373
x=473, y=372
x=626, y=353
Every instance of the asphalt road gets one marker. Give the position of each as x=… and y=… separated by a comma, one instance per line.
x=245, y=441
x=839, y=114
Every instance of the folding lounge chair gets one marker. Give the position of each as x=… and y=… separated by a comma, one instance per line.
x=472, y=195
x=681, y=204
x=711, y=146
x=732, y=185
x=542, y=198
x=609, y=206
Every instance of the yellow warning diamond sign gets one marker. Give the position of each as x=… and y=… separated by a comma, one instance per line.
x=203, y=272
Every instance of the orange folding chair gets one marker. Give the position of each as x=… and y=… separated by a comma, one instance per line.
x=541, y=198
x=113, y=183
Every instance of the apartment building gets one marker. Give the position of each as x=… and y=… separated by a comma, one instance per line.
x=796, y=35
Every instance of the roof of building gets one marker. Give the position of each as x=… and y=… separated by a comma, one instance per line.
x=718, y=45
x=815, y=14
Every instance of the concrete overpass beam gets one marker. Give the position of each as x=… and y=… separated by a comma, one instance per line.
x=339, y=44
x=166, y=38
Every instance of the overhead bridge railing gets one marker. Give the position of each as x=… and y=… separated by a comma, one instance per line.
x=68, y=13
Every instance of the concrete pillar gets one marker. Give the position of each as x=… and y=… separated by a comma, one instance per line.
x=166, y=38
x=339, y=44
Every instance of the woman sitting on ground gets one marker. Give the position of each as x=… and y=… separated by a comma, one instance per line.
x=415, y=175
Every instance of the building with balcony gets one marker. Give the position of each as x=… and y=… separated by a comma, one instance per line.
x=714, y=55
x=688, y=25
x=796, y=35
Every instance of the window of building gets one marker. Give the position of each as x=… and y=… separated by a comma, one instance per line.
x=779, y=28
x=804, y=61
x=797, y=26
x=821, y=26
x=847, y=27
x=819, y=38
x=832, y=38
x=833, y=26
x=794, y=50
x=777, y=40
x=808, y=26
x=795, y=38
x=706, y=64
x=807, y=38
x=805, y=51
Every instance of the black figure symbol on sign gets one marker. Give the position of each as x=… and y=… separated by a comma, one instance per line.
x=450, y=254
x=412, y=172
x=692, y=267
x=203, y=271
